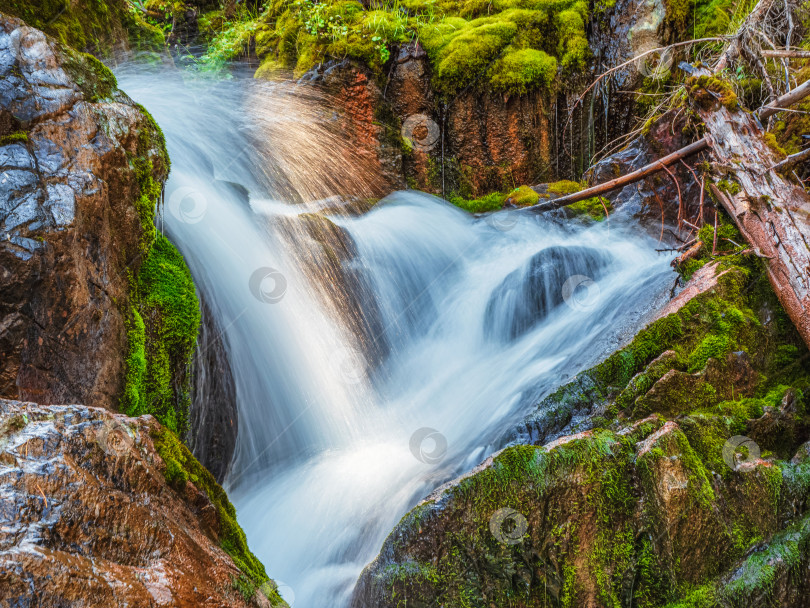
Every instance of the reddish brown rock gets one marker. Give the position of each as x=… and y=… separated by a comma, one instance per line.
x=371, y=144
x=69, y=228
x=87, y=517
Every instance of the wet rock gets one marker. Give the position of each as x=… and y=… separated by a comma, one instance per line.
x=489, y=142
x=87, y=517
x=621, y=32
x=802, y=455
x=214, y=417
x=555, y=414
x=364, y=119
x=552, y=277
x=69, y=228
x=654, y=201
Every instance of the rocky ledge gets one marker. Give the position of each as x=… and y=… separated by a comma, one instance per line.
x=98, y=509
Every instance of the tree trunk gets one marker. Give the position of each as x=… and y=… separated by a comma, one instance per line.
x=771, y=212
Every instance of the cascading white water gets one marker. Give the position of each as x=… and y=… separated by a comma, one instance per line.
x=477, y=324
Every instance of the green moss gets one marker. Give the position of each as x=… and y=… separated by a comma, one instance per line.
x=702, y=597
x=167, y=303
x=231, y=41
x=19, y=137
x=490, y=202
x=773, y=143
x=729, y=186
x=464, y=57
x=786, y=552
x=720, y=339
x=163, y=323
x=508, y=46
x=181, y=468
x=93, y=78
x=708, y=90
x=564, y=187
x=523, y=196
x=593, y=207
x=519, y=71
x=790, y=127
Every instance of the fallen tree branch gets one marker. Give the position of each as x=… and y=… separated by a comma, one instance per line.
x=620, y=182
x=793, y=96
x=792, y=160
x=794, y=54
x=788, y=99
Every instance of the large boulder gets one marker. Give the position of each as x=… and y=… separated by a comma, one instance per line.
x=594, y=519
x=80, y=164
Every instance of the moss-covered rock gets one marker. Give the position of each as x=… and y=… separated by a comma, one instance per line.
x=181, y=469
x=95, y=26
x=508, y=46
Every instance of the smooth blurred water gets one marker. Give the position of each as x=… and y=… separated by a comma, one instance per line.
x=340, y=435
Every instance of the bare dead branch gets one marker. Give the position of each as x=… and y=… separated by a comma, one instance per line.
x=792, y=160
x=787, y=53
x=620, y=182
x=788, y=99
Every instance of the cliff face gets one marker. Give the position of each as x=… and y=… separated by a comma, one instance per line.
x=475, y=97
x=71, y=228
x=96, y=306
x=101, y=510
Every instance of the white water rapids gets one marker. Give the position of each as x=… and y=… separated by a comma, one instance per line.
x=332, y=450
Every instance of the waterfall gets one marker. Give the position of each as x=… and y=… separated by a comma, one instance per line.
x=374, y=355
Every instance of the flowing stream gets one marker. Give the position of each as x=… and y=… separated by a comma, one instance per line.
x=354, y=407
